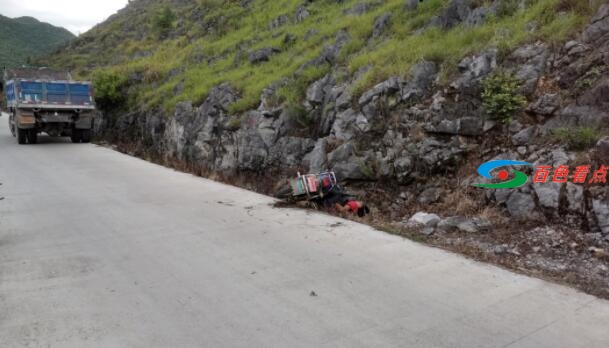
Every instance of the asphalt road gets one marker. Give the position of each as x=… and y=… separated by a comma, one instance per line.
x=98, y=249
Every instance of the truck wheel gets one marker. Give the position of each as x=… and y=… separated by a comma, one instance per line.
x=85, y=135
x=76, y=136
x=32, y=136
x=21, y=136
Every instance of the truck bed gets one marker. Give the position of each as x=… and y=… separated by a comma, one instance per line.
x=49, y=94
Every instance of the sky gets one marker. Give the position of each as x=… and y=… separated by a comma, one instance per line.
x=77, y=16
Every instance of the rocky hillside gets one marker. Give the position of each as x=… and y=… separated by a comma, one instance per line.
x=24, y=39
x=402, y=99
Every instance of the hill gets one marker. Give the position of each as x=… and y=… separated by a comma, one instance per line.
x=403, y=99
x=26, y=38
x=194, y=45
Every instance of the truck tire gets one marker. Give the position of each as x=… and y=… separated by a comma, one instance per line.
x=76, y=136
x=21, y=136
x=85, y=135
x=32, y=136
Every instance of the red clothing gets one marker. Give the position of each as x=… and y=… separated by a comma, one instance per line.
x=353, y=205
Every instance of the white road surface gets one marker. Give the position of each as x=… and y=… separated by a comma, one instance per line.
x=99, y=249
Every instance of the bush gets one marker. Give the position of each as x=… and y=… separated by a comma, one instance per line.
x=109, y=89
x=501, y=96
x=163, y=21
x=578, y=139
x=507, y=8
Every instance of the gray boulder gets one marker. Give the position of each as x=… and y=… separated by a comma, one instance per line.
x=548, y=195
x=525, y=136
x=262, y=55
x=455, y=13
x=463, y=224
x=520, y=205
x=438, y=156
x=289, y=151
x=344, y=100
x=424, y=219
x=575, y=49
x=343, y=127
x=598, y=94
x=403, y=168
x=352, y=169
x=599, y=25
x=380, y=24
x=502, y=195
x=559, y=157
x=342, y=153
x=601, y=212
x=329, y=52
x=390, y=86
x=252, y=151
x=278, y=21
x=301, y=14
x=479, y=16
x=218, y=99
x=430, y=195
x=422, y=76
x=443, y=127
x=529, y=62
x=602, y=149
x=316, y=92
x=470, y=126
x=473, y=69
x=411, y=5
x=467, y=126
x=575, y=197
x=318, y=157
x=546, y=105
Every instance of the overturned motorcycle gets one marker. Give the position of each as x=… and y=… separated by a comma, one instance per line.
x=311, y=188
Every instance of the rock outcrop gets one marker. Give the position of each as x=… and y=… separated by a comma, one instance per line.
x=409, y=130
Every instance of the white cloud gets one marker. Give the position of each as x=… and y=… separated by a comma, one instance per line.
x=78, y=16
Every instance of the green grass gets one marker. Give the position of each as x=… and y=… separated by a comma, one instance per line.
x=578, y=139
x=216, y=52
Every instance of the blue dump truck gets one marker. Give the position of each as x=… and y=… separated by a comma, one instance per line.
x=43, y=100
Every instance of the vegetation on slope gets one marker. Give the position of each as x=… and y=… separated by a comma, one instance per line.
x=25, y=38
x=166, y=51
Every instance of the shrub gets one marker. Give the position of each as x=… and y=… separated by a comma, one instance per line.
x=109, y=89
x=501, y=96
x=578, y=139
x=507, y=8
x=163, y=21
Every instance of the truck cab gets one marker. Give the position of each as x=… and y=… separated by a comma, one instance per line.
x=51, y=102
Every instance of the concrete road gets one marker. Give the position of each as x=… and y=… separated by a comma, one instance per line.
x=98, y=249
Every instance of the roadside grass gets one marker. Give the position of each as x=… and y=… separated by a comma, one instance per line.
x=205, y=56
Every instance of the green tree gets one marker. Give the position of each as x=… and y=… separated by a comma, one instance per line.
x=163, y=21
x=501, y=96
x=109, y=89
